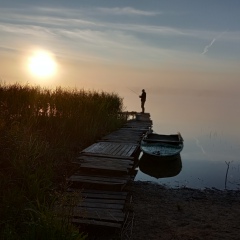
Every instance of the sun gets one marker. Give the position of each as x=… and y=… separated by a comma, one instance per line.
x=42, y=64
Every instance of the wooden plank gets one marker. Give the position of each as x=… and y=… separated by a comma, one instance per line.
x=105, y=158
x=125, y=151
x=133, y=149
x=106, y=201
x=122, y=141
x=107, y=164
x=100, y=177
x=126, y=132
x=135, y=132
x=99, y=192
x=104, y=155
x=103, y=196
x=115, y=148
x=128, y=151
x=109, y=167
x=100, y=205
x=75, y=178
x=94, y=148
x=96, y=223
x=121, y=150
x=105, y=148
x=109, y=148
x=105, y=192
x=119, y=184
x=110, y=162
x=99, y=214
x=105, y=168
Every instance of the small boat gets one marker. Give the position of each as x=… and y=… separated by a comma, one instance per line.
x=160, y=145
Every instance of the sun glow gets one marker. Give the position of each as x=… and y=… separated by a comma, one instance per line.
x=42, y=64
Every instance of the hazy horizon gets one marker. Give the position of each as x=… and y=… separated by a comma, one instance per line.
x=167, y=47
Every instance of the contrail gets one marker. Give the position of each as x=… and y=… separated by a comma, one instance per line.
x=200, y=146
x=212, y=42
x=208, y=46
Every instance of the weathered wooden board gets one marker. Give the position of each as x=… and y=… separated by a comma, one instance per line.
x=102, y=168
x=84, y=158
x=96, y=194
x=112, y=193
x=99, y=214
x=113, y=149
x=105, y=201
x=139, y=124
x=107, y=180
x=96, y=223
x=103, y=208
x=103, y=205
x=105, y=163
x=124, y=135
x=107, y=156
x=109, y=165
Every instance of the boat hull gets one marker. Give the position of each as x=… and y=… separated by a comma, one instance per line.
x=160, y=145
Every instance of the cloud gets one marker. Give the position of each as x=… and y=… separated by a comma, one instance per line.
x=128, y=11
x=79, y=32
x=208, y=46
x=205, y=50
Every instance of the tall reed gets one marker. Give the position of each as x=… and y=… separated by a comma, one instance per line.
x=41, y=131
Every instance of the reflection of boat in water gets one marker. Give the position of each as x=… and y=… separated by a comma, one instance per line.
x=160, y=145
x=167, y=167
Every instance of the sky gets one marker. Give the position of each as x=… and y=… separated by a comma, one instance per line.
x=168, y=47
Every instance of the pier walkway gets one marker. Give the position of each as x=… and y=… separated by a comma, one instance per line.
x=105, y=170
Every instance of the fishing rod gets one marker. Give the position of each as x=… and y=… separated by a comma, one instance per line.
x=133, y=91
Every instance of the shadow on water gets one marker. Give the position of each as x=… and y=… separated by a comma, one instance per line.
x=160, y=167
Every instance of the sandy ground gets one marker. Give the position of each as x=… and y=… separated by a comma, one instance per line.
x=163, y=213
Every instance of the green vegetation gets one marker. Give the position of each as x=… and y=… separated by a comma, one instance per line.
x=41, y=132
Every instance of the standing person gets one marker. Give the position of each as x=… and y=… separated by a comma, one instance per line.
x=143, y=100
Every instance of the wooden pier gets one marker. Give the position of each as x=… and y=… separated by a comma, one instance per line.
x=105, y=170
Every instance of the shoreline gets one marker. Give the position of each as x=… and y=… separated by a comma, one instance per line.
x=168, y=186
x=184, y=213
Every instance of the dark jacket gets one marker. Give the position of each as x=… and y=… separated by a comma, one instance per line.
x=143, y=96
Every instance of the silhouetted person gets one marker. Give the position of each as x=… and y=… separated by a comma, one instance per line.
x=143, y=100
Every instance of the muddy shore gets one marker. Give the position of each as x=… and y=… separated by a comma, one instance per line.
x=164, y=213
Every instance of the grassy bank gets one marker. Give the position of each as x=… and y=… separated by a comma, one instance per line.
x=41, y=132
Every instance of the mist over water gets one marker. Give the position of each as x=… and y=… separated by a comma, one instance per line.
x=210, y=128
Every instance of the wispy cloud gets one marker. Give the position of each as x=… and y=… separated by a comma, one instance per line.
x=82, y=32
x=206, y=48
x=128, y=11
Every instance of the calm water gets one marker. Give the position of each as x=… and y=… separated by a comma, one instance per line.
x=210, y=128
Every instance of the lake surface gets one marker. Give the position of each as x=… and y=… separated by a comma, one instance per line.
x=210, y=128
